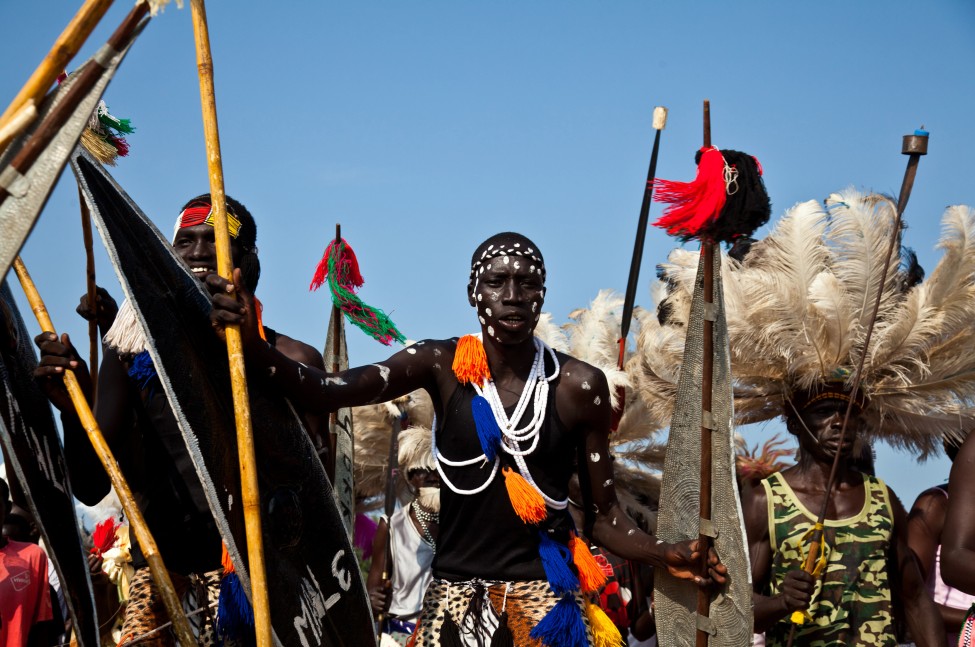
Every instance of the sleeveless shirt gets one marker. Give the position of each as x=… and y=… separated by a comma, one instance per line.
x=851, y=604
x=412, y=559
x=481, y=537
x=941, y=592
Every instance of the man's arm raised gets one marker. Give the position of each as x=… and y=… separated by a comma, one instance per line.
x=584, y=400
x=312, y=389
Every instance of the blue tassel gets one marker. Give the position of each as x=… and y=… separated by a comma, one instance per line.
x=562, y=626
x=235, y=617
x=488, y=431
x=555, y=561
x=143, y=371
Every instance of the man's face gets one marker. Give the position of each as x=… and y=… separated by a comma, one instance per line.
x=508, y=296
x=421, y=478
x=823, y=421
x=196, y=246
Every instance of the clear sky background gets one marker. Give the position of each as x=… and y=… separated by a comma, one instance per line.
x=423, y=127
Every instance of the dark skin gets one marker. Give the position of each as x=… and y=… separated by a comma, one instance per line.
x=380, y=590
x=958, y=537
x=818, y=432
x=515, y=296
x=116, y=395
x=924, y=529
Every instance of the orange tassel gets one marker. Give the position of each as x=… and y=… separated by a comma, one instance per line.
x=591, y=576
x=225, y=561
x=528, y=504
x=470, y=361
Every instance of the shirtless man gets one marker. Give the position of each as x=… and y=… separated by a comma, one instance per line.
x=496, y=547
x=866, y=532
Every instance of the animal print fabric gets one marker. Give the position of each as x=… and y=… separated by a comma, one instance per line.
x=851, y=604
x=526, y=604
x=145, y=611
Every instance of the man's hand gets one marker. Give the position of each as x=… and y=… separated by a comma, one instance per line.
x=380, y=597
x=103, y=313
x=683, y=561
x=229, y=311
x=58, y=356
x=797, y=590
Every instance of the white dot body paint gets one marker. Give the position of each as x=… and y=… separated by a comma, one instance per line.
x=607, y=482
x=272, y=370
x=517, y=244
x=490, y=330
x=585, y=386
x=411, y=351
x=594, y=457
x=437, y=352
x=517, y=265
x=480, y=297
x=536, y=317
x=335, y=380
x=383, y=373
x=481, y=319
x=614, y=521
x=631, y=531
x=487, y=311
x=437, y=366
x=506, y=260
x=489, y=266
x=534, y=306
x=597, y=401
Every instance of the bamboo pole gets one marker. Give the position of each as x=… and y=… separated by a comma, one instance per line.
x=136, y=521
x=707, y=370
x=63, y=50
x=94, y=340
x=250, y=492
x=87, y=78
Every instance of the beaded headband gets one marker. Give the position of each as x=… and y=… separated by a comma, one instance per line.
x=202, y=214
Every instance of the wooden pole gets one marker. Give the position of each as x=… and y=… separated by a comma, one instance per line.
x=63, y=50
x=250, y=491
x=94, y=339
x=136, y=521
x=17, y=123
x=914, y=146
x=87, y=78
x=335, y=322
x=707, y=251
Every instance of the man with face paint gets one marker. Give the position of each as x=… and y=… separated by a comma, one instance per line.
x=136, y=419
x=868, y=561
x=514, y=420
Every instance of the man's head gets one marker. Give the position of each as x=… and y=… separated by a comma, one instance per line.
x=507, y=286
x=815, y=417
x=193, y=239
x=417, y=464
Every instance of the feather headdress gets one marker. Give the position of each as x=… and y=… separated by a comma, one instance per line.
x=373, y=428
x=798, y=306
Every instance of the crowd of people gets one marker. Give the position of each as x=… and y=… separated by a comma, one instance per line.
x=512, y=531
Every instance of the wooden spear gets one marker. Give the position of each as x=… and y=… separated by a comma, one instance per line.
x=250, y=492
x=94, y=339
x=914, y=146
x=87, y=78
x=707, y=370
x=63, y=50
x=138, y=524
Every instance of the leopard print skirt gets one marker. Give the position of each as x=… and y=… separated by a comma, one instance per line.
x=476, y=607
x=145, y=613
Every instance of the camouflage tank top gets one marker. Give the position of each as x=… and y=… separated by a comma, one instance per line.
x=851, y=605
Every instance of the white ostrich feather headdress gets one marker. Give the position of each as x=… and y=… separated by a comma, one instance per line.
x=798, y=306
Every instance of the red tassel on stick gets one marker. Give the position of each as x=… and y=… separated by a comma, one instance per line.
x=347, y=266
x=693, y=205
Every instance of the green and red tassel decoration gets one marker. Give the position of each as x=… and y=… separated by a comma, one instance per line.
x=340, y=269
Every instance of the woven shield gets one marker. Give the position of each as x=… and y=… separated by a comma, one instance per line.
x=730, y=619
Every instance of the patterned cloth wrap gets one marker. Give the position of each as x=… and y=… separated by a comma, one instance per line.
x=476, y=607
x=851, y=604
x=145, y=611
x=966, y=635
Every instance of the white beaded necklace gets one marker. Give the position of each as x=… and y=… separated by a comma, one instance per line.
x=536, y=391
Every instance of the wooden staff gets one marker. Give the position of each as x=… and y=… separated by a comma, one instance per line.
x=250, y=492
x=335, y=323
x=79, y=89
x=707, y=370
x=914, y=146
x=138, y=524
x=389, y=506
x=63, y=50
x=94, y=340
x=659, y=122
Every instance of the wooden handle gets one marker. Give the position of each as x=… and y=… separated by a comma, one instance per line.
x=136, y=521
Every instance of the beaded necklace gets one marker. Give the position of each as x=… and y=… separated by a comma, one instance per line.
x=425, y=517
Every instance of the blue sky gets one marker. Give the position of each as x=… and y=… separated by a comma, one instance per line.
x=424, y=127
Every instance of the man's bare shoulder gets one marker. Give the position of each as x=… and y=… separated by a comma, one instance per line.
x=581, y=378
x=299, y=351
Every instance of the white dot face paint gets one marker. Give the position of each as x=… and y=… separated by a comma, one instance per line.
x=480, y=297
x=585, y=386
x=489, y=313
x=490, y=330
x=594, y=457
x=506, y=260
x=597, y=401
x=534, y=306
x=517, y=265
x=481, y=319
